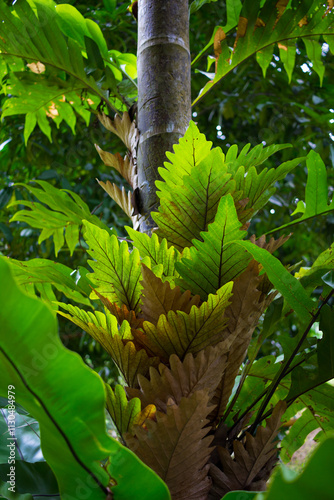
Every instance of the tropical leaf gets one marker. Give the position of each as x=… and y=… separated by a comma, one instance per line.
x=316, y=193
x=40, y=98
x=125, y=414
x=122, y=411
x=250, y=157
x=192, y=148
x=256, y=187
x=157, y=250
x=190, y=207
x=253, y=459
x=40, y=276
x=43, y=372
x=183, y=378
x=121, y=313
x=287, y=285
x=180, y=333
x=233, y=8
x=117, y=272
x=118, y=342
x=176, y=446
x=215, y=261
x=159, y=298
x=262, y=24
x=59, y=214
x=75, y=45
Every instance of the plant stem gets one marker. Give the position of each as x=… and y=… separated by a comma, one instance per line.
x=285, y=367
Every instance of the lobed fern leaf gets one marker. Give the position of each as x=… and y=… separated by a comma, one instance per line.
x=194, y=203
x=253, y=460
x=157, y=250
x=180, y=333
x=177, y=446
x=159, y=298
x=122, y=411
x=59, y=214
x=117, y=342
x=41, y=276
x=183, y=378
x=214, y=261
x=117, y=272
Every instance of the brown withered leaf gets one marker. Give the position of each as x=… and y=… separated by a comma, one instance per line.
x=253, y=460
x=180, y=333
x=159, y=298
x=177, y=447
x=129, y=360
x=280, y=6
x=121, y=313
x=220, y=35
x=183, y=378
x=121, y=197
x=124, y=128
x=36, y=67
x=241, y=30
x=243, y=314
x=272, y=244
x=126, y=168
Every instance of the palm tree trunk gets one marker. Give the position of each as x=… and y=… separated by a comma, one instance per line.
x=164, y=98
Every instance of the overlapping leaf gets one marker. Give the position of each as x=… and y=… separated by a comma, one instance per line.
x=180, y=333
x=116, y=271
x=192, y=148
x=183, y=378
x=214, y=261
x=125, y=414
x=122, y=165
x=176, y=446
x=159, y=298
x=122, y=411
x=157, y=250
x=121, y=313
x=41, y=276
x=117, y=342
x=190, y=207
x=253, y=460
x=257, y=188
x=59, y=214
x=262, y=24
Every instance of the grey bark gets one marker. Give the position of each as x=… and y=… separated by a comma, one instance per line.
x=164, y=97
